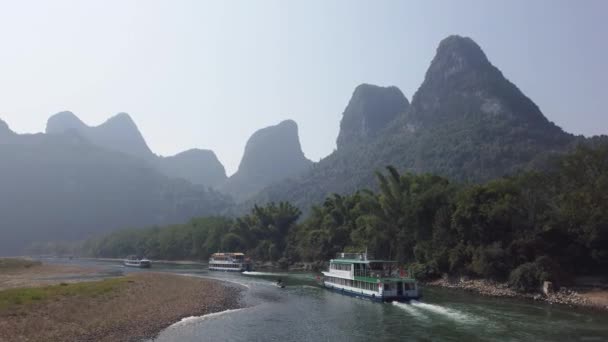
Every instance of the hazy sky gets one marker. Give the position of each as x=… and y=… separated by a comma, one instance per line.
x=208, y=74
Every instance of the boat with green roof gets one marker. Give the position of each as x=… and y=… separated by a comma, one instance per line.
x=359, y=275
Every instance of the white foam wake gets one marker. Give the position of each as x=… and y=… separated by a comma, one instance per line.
x=265, y=273
x=411, y=310
x=438, y=309
x=213, y=278
x=196, y=319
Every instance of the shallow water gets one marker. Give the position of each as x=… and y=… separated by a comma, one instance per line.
x=305, y=312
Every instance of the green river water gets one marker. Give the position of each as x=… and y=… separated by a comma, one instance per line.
x=303, y=311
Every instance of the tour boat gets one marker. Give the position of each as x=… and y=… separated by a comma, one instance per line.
x=230, y=262
x=358, y=275
x=133, y=261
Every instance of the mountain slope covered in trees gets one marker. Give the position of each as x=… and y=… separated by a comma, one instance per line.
x=466, y=122
x=527, y=228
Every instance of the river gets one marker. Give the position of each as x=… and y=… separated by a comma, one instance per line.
x=304, y=311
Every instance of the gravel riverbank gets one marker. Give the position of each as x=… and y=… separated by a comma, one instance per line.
x=495, y=289
x=136, y=309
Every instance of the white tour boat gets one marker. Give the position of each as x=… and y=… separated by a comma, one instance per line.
x=355, y=274
x=134, y=261
x=231, y=262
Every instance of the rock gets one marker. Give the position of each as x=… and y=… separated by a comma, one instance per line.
x=547, y=288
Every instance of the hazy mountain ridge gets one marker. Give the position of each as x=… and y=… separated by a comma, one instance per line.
x=120, y=133
x=188, y=165
x=271, y=155
x=62, y=187
x=466, y=122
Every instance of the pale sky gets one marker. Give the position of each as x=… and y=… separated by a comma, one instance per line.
x=207, y=74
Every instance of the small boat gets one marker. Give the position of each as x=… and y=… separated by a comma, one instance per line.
x=358, y=275
x=134, y=261
x=280, y=284
x=229, y=262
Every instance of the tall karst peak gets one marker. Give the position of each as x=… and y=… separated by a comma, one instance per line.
x=271, y=154
x=64, y=121
x=270, y=144
x=455, y=55
x=370, y=109
x=462, y=85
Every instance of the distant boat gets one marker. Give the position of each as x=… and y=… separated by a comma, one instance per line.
x=355, y=274
x=134, y=261
x=229, y=262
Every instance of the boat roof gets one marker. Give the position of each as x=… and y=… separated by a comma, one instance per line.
x=357, y=261
x=228, y=254
x=358, y=258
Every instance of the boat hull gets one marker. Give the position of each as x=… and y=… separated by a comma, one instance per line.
x=227, y=269
x=361, y=295
x=137, y=265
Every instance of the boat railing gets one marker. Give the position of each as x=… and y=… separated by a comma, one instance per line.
x=355, y=256
x=372, y=274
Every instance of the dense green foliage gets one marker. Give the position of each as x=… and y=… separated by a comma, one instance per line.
x=263, y=234
x=533, y=226
x=525, y=228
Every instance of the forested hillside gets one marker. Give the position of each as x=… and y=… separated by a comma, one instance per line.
x=527, y=228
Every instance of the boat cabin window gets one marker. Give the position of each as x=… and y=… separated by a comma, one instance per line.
x=387, y=287
x=341, y=267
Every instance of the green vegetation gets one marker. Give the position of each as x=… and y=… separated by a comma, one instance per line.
x=525, y=228
x=12, y=264
x=24, y=296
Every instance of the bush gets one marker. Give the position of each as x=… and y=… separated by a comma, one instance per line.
x=529, y=277
x=525, y=278
x=490, y=262
x=423, y=271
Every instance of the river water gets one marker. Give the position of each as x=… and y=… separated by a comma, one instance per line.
x=304, y=311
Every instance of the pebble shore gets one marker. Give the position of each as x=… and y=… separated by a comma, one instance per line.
x=139, y=310
x=485, y=287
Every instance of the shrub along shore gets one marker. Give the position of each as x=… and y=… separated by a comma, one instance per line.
x=129, y=308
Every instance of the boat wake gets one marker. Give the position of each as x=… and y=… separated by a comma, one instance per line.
x=410, y=309
x=214, y=278
x=196, y=319
x=265, y=273
x=449, y=313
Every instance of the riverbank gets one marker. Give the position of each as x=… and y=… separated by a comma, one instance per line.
x=16, y=273
x=128, y=308
x=592, y=298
